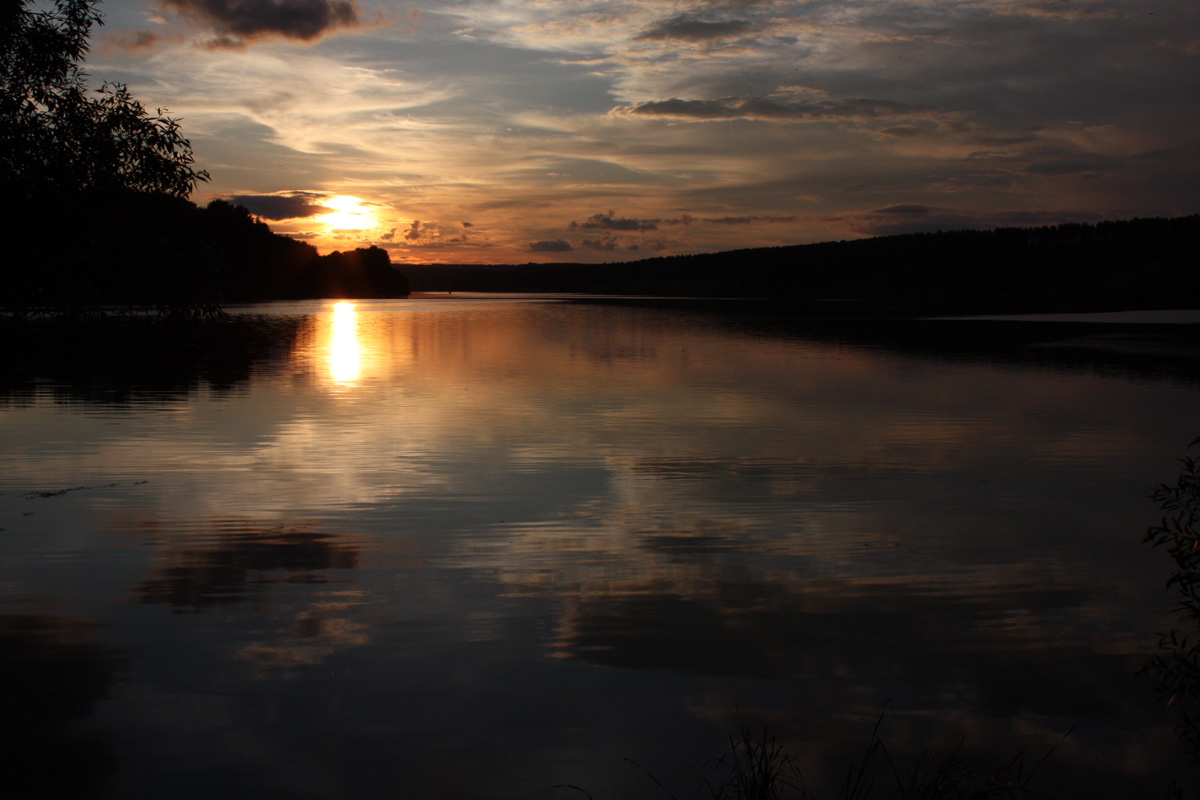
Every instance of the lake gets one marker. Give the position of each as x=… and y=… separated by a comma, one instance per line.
x=483, y=547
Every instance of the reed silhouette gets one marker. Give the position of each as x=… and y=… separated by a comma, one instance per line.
x=758, y=767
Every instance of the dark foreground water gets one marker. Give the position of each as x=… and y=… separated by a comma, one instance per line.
x=474, y=548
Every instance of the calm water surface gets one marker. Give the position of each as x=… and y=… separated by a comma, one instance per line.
x=477, y=548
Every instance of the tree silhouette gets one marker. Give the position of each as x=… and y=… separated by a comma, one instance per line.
x=57, y=137
x=98, y=184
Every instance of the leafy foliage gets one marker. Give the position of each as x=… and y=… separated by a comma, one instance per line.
x=100, y=184
x=1176, y=666
x=58, y=137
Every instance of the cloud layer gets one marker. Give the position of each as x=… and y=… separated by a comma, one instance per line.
x=594, y=128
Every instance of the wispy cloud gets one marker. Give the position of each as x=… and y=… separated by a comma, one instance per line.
x=752, y=220
x=132, y=41
x=904, y=218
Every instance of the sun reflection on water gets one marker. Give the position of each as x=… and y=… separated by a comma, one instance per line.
x=347, y=346
x=345, y=352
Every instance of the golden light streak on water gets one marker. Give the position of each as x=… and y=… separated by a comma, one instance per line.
x=345, y=351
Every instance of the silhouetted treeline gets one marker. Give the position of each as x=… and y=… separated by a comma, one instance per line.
x=97, y=186
x=260, y=265
x=161, y=252
x=1139, y=263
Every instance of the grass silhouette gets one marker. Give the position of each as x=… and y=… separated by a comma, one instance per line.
x=758, y=767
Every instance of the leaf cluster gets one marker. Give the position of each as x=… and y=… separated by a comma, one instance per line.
x=1176, y=667
x=56, y=135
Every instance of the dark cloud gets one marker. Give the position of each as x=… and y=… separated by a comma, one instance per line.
x=551, y=246
x=906, y=131
x=610, y=222
x=691, y=29
x=1006, y=140
x=904, y=218
x=281, y=206
x=439, y=244
x=424, y=234
x=468, y=224
x=237, y=20
x=746, y=220
x=771, y=108
x=906, y=209
x=604, y=244
x=1062, y=166
x=688, y=219
x=912, y=218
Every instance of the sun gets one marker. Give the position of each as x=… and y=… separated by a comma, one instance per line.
x=349, y=213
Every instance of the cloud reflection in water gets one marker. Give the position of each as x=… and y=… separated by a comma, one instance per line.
x=498, y=519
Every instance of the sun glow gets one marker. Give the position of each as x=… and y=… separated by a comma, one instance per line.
x=349, y=213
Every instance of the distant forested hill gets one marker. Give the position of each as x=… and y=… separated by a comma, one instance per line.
x=1138, y=263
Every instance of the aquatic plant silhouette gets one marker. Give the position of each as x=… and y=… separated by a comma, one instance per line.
x=758, y=767
x=1176, y=667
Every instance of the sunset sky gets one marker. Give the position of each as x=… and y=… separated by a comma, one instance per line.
x=507, y=131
